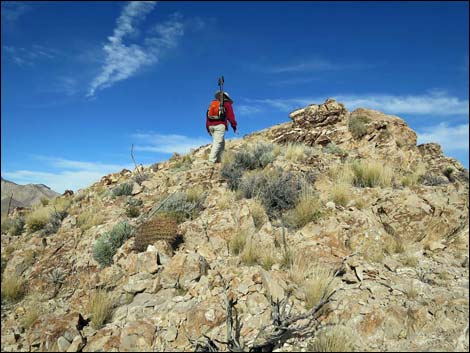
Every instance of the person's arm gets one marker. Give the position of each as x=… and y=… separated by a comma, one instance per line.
x=207, y=122
x=230, y=115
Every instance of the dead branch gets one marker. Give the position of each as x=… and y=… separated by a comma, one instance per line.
x=132, y=155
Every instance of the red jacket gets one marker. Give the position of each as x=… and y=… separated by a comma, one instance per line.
x=230, y=116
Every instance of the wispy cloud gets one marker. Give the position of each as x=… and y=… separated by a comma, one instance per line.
x=436, y=103
x=31, y=55
x=124, y=60
x=168, y=143
x=66, y=174
x=310, y=65
x=451, y=138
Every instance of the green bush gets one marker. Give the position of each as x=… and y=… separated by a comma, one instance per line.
x=14, y=226
x=123, y=189
x=183, y=205
x=180, y=163
x=132, y=212
x=332, y=148
x=140, y=177
x=108, y=244
x=357, y=125
x=256, y=156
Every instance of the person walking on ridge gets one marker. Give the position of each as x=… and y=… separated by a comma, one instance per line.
x=216, y=123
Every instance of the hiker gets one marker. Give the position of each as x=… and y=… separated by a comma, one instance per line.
x=216, y=126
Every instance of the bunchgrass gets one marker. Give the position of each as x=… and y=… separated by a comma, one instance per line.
x=100, y=308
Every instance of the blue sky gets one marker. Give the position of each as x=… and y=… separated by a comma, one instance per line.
x=82, y=81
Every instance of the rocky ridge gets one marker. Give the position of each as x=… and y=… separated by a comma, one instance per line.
x=178, y=298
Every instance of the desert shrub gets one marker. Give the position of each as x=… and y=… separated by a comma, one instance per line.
x=413, y=177
x=89, y=218
x=332, y=148
x=184, y=205
x=123, y=189
x=61, y=205
x=332, y=340
x=340, y=194
x=131, y=201
x=252, y=183
x=256, y=156
x=108, y=244
x=132, y=212
x=44, y=201
x=13, y=288
x=307, y=209
x=14, y=226
x=280, y=192
x=100, y=308
x=180, y=163
x=297, y=152
x=38, y=218
x=448, y=172
x=371, y=174
x=55, y=220
x=140, y=177
x=410, y=290
x=319, y=285
x=357, y=125
x=429, y=179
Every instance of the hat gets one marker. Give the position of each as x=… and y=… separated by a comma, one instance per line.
x=226, y=95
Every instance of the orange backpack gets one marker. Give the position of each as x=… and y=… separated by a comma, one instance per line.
x=213, y=111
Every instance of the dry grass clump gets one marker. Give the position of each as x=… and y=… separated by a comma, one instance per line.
x=258, y=213
x=238, y=241
x=32, y=314
x=100, y=308
x=89, y=218
x=371, y=174
x=340, y=194
x=414, y=176
x=308, y=209
x=357, y=125
x=393, y=246
x=320, y=284
x=300, y=267
x=335, y=339
x=250, y=254
x=13, y=288
x=38, y=218
x=410, y=290
x=297, y=152
x=267, y=258
x=226, y=199
x=410, y=260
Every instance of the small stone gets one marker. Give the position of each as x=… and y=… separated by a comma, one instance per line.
x=76, y=345
x=62, y=344
x=171, y=334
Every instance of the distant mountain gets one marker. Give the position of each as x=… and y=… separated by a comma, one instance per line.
x=23, y=195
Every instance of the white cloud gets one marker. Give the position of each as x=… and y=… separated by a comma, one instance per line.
x=451, y=138
x=29, y=56
x=169, y=143
x=124, y=60
x=248, y=110
x=70, y=174
x=431, y=103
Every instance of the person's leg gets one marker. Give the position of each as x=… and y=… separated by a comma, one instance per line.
x=221, y=131
x=215, y=144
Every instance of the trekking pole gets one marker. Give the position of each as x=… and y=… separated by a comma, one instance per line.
x=221, y=90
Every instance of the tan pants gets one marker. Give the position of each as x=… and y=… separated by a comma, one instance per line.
x=218, y=142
